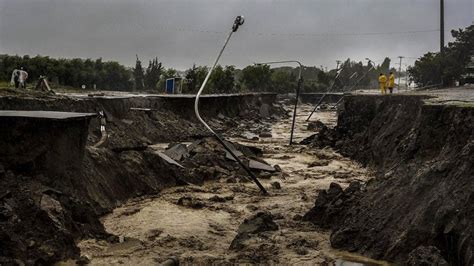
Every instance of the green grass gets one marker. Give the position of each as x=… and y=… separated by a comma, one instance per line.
x=4, y=85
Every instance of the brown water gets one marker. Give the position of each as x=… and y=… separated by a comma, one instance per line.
x=154, y=229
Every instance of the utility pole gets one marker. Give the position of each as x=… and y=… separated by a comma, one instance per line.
x=406, y=78
x=441, y=26
x=399, y=72
x=441, y=38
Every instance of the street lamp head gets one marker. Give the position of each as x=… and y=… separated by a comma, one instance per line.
x=239, y=21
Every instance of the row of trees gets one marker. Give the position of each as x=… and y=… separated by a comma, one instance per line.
x=113, y=76
x=69, y=72
x=448, y=66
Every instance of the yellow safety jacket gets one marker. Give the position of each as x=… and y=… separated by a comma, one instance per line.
x=382, y=80
x=391, y=81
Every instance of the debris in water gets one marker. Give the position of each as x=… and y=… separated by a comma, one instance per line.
x=257, y=223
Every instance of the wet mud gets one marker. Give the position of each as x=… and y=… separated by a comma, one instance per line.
x=209, y=224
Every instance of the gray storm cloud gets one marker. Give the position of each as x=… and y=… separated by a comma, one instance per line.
x=181, y=33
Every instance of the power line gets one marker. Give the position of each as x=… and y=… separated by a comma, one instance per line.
x=133, y=26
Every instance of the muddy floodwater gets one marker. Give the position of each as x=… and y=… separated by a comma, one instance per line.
x=154, y=229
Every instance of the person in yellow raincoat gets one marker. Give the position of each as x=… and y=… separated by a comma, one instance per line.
x=382, y=83
x=391, y=82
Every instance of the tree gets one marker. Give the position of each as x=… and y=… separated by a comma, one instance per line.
x=153, y=73
x=457, y=55
x=222, y=79
x=195, y=77
x=426, y=69
x=138, y=75
x=323, y=78
x=282, y=81
x=385, y=66
x=69, y=72
x=256, y=78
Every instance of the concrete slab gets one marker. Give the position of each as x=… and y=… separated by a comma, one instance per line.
x=45, y=114
x=177, y=152
x=230, y=157
x=168, y=159
x=260, y=166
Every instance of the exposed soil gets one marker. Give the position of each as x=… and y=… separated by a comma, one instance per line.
x=43, y=213
x=227, y=220
x=419, y=208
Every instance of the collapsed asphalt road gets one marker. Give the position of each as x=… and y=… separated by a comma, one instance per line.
x=227, y=220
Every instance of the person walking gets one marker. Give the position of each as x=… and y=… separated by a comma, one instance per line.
x=382, y=83
x=391, y=82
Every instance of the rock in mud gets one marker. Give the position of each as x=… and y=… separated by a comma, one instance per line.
x=276, y=185
x=217, y=198
x=277, y=168
x=326, y=137
x=321, y=162
x=330, y=202
x=190, y=202
x=316, y=126
x=257, y=223
x=173, y=261
x=426, y=256
x=265, y=135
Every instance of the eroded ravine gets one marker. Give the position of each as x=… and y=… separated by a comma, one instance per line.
x=152, y=230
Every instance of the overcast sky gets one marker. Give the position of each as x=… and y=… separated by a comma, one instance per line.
x=180, y=33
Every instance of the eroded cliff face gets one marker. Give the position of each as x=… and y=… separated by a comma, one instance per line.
x=54, y=185
x=424, y=191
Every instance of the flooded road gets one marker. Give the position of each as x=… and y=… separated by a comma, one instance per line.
x=155, y=229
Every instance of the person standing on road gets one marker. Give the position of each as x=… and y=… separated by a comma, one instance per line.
x=23, y=78
x=19, y=77
x=15, y=78
x=391, y=82
x=382, y=83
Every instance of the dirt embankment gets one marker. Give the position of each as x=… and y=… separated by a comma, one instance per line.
x=42, y=215
x=422, y=201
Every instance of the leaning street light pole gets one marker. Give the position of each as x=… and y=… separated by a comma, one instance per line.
x=372, y=64
x=324, y=95
x=357, y=82
x=239, y=21
x=298, y=88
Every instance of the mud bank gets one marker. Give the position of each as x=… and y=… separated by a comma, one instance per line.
x=135, y=115
x=421, y=202
x=48, y=142
x=119, y=106
x=43, y=213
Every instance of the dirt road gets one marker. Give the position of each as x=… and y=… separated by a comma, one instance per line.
x=152, y=230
